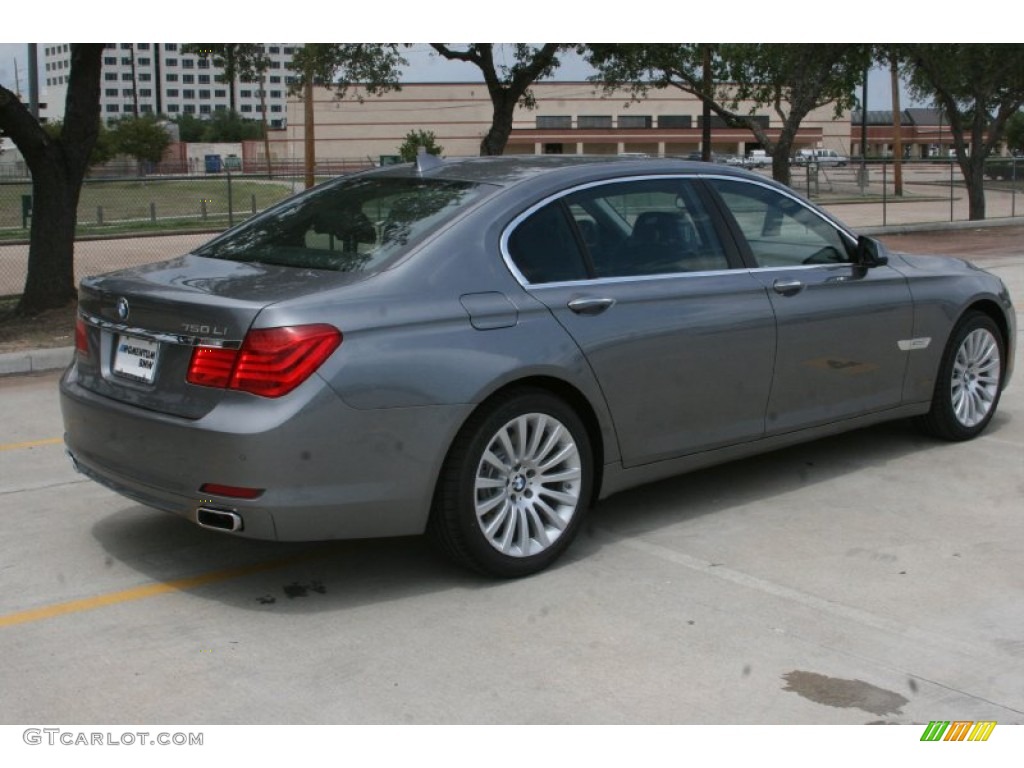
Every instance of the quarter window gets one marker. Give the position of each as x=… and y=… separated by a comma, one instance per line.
x=782, y=231
x=544, y=248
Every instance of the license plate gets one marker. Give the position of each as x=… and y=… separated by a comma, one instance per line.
x=136, y=358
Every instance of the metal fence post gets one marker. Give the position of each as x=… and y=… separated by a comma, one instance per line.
x=152, y=212
x=99, y=215
x=951, y=190
x=885, y=198
x=231, y=212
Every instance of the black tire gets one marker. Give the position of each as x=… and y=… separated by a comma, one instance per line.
x=969, y=381
x=515, y=485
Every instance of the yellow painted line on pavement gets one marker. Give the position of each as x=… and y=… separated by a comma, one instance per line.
x=149, y=590
x=30, y=444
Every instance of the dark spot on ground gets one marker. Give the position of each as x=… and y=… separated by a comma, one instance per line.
x=836, y=692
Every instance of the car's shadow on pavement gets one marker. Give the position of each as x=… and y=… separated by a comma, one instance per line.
x=328, y=576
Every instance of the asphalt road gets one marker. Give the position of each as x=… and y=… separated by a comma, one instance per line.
x=872, y=577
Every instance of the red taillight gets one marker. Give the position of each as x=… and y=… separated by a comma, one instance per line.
x=81, y=338
x=272, y=361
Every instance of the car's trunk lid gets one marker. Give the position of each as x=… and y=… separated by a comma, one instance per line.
x=142, y=325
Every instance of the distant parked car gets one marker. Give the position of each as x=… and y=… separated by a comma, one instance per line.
x=482, y=348
x=758, y=158
x=1005, y=168
x=821, y=157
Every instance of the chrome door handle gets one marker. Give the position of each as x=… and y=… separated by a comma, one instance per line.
x=591, y=306
x=787, y=287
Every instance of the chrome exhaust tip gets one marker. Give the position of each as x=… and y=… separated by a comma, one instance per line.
x=219, y=520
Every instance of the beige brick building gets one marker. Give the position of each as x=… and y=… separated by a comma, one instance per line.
x=570, y=118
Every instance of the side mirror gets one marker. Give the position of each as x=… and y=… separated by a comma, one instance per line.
x=870, y=252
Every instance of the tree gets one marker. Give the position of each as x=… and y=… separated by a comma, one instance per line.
x=225, y=125
x=233, y=58
x=144, y=138
x=790, y=79
x=190, y=128
x=102, y=151
x=508, y=86
x=979, y=87
x=58, y=166
x=416, y=139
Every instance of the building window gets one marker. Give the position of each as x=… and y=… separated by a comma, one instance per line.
x=276, y=108
x=675, y=121
x=594, y=121
x=172, y=93
x=126, y=76
x=245, y=94
x=171, y=62
x=554, y=121
x=275, y=78
x=126, y=61
x=145, y=92
x=110, y=75
x=170, y=46
x=204, y=109
x=108, y=61
x=275, y=94
x=142, y=46
x=246, y=108
x=171, y=77
x=188, y=63
x=205, y=79
x=220, y=93
x=188, y=78
x=108, y=92
x=145, y=77
x=636, y=121
x=188, y=93
x=113, y=108
x=189, y=109
x=203, y=63
x=147, y=108
x=275, y=65
x=126, y=46
x=143, y=61
x=289, y=50
x=172, y=108
x=127, y=92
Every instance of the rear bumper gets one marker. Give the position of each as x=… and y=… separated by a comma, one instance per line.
x=328, y=471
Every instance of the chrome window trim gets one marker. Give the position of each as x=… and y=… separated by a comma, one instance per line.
x=526, y=284
x=160, y=336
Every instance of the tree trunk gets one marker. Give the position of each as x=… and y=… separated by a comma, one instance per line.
x=496, y=138
x=974, y=179
x=58, y=168
x=51, y=272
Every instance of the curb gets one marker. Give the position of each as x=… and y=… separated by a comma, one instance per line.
x=35, y=360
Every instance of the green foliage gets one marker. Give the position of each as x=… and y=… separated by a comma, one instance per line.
x=226, y=125
x=103, y=150
x=190, y=128
x=143, y=138
x=1015, y=132
x=375, y=67
x=416, y=139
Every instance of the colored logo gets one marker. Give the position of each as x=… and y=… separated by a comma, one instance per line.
x=122, y=308
x=958, y=730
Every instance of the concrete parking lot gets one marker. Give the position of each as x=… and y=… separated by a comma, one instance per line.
x=872, y=577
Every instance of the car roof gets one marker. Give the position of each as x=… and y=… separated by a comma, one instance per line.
x=507, y=170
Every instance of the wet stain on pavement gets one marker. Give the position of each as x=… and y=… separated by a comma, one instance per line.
x=836, y=692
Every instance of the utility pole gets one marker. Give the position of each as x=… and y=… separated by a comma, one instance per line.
x=897, y=139
x=705, y=133
x=309, y=138
x=33, y=80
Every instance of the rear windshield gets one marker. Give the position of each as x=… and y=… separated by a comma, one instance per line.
x=352, y=225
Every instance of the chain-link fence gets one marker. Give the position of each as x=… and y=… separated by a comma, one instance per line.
x=130, y=220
